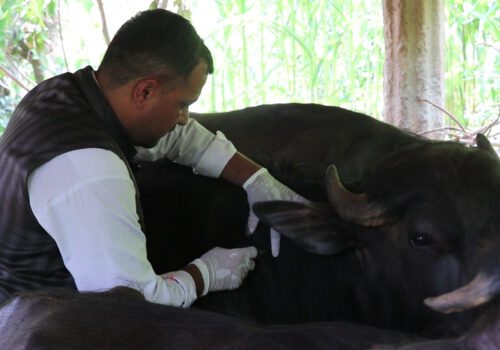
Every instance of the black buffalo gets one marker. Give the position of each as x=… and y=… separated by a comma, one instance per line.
x=121, y=319
x=483, y=335
x=408, y=219
x=402, y=234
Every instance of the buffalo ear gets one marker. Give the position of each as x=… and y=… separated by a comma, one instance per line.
x=484, y=144
x=307, y=224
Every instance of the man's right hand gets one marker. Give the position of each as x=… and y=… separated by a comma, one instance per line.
x=226, y=268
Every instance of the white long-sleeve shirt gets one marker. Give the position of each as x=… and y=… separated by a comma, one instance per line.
x=85, y=200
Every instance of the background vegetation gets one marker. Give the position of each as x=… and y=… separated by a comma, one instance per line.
x=328, y=52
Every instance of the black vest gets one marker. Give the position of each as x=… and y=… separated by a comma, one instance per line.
x=65, y=113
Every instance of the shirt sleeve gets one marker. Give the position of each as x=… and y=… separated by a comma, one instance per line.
x=85, y=200
x=192, y=145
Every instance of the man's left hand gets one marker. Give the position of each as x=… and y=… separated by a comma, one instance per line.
x=261, y=187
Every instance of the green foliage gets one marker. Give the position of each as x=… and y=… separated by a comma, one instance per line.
x=24, y=42
x=25, y=26
x=329, y=52
x=473, y=60
x=30, y=48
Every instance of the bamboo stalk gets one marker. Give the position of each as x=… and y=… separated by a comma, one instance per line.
x=294, y=53
x=262, y=65
x=15, y=67
x=455, y=119
x=13, y=78
x=245, y=55
x=104, y=22
x=59, y=25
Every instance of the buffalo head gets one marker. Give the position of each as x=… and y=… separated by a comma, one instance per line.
x=423, y=225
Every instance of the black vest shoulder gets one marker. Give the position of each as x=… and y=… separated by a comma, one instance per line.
x=64, y=113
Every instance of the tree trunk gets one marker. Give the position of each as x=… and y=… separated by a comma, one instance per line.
x=414, y=63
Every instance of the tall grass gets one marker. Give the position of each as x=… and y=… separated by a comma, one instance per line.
x=332, y=52
x=327, y=52
x=473, y=60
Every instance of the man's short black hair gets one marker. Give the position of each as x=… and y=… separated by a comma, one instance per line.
x=154, y=43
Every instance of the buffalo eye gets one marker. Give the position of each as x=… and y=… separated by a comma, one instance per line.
x=421, y=240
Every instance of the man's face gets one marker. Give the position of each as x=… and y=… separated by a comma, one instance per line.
x=170, y=107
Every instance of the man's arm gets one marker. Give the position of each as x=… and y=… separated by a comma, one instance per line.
x=194, y=146
x=215, y=156
x=239, y=169
x=91, y=214
x=208, y=154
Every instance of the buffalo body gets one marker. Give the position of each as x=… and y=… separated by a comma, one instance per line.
x=437, y=227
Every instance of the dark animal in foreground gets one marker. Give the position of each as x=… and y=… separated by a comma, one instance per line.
x=419, y=220
x=417, y=228
x=484, y=335
x=121, y=319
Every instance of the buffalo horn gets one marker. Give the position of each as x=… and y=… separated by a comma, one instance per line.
x=477, y=292
x=350, y=206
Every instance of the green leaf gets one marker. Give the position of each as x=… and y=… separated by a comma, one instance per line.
x=87, y=5
x=51, y=8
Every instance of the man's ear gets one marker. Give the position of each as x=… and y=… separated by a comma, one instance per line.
x=143, y=91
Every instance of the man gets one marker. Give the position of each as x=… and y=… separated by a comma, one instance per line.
x=69, y=211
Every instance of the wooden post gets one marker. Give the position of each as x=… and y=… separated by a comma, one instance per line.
x=414, y=63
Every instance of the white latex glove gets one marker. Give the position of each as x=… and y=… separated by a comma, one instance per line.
x=261, y=187
x=225, y=269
